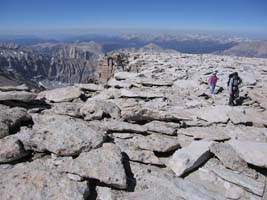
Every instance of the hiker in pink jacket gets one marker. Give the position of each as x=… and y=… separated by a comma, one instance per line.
x=212, y=83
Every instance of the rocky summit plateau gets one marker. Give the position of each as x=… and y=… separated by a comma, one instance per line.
x=147, y=131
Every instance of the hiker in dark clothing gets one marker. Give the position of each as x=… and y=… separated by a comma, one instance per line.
x=233, y=84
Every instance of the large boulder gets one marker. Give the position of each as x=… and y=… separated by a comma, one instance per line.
x=59, y=134
x=103, y=164
x=65, y=94
x=25, y=181
x=252, y=152
x=188, y=158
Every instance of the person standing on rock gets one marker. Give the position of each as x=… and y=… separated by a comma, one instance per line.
x=233, y=85
x=212, y=83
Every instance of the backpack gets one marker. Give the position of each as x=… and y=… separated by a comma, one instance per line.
x=235, y=83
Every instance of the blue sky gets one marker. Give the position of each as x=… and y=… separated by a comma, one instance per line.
x=47, y=16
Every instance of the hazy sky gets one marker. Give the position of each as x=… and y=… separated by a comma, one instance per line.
x=44, y=16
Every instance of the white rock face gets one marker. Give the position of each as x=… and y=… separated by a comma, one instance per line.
x=252, y=152
x=190, y=157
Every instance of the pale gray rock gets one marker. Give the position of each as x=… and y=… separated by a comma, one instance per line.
x=151, y=82
x=140, y=93
x=11, y=149
x=90, y=87
x=123, y=135
x=143, y=156
x=239, y=117
x=21, y=96
x=247, y=133
x=161, y=127
x=22, y=87
x=119, y=84
x=208, y=133
x=25, y=181
x=97, y=109
x=190, y=157
x=230, y=159
x=104, y=193
x=11, y=118
x=104, y=164
x=65, y=94
x=156, y=142
x=249, y=184
x=150, y=179
x=143, y=114
x=214, y=114
x=125, y=75
x=66, y=108
x=4, y=130
x=119, y=126
x=61, y=135
x=252, y=152
x=136, y=154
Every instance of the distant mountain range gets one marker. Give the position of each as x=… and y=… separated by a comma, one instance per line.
x=75, y=59
x=248, y=49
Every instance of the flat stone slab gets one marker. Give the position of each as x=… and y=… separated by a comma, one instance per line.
x=190, y=157
x=138, y=93
x=252, y=152
x=104, y=164
x=22, y=96
x=151, y=82
x=207, y=133
x=143, y=114
x=65, y=94
x=90, y=87
x=119, y=126
x=214, y=114
x=161, y=128
x=230, y=159
x=156, y=142
x=249, y=184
